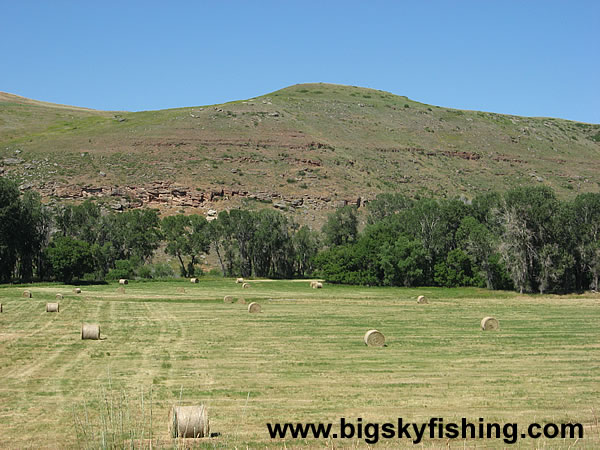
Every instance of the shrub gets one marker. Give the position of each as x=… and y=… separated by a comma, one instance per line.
x=162, y=270
x=124, y=268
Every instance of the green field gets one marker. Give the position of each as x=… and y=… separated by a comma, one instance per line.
x=301, y=360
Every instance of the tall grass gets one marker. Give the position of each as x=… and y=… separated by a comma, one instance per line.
x=114, y=420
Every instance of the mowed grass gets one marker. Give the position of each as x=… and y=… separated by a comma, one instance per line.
x=301, y=360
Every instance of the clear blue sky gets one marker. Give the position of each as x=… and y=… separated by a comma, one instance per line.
x=534, y=58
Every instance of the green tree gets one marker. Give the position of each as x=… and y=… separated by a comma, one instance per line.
x=341, y=226
x=306, y=246
x=479, y=243
x=456, y=270
x=585, y=230
x=69, y=258
x=186, y=236
x=135, y=234
x=176, y=231
x=10, y=213
x=386, y=205
x=272, y=249
x=403, y=262
x=221, y=242
x=241, y=226
x=33, y=235
x=554, y=262
x=83, y=221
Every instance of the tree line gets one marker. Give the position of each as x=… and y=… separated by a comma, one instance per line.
x=84, y=241
x=524, y=239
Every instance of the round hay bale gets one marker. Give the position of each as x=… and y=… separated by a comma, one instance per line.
x=228, y=299
x=51, y=307
x=317, y=285
x=422, y=300
x=245, y=286
x=489, y=324
x=77, y=290
x=193, y=280
x=123, y=281
x=374, y=338
x=189, y=422
x=253, y=308
x=90, y=331
x=27, y=294
x=59, y=296
x=241, y=301
x=239, y=280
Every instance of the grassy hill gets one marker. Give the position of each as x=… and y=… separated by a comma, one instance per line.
x=310, y=147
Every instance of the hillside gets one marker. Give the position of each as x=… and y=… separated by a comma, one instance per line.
x=303, y=148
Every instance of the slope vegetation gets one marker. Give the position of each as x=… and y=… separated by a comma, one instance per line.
x=304, y=148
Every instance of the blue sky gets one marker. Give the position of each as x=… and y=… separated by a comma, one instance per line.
x=534, y=58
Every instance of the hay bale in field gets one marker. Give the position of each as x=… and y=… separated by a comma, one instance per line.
x=123, y=281
x=194, y=280
x=374, y=338
x=59, y=296
x=317, y=285
x=254, y=308
x=228, y=299
x=241, y=301
x=51, y=307
x=489, y=324
x=239, y=280
x=90, y=331
x=422, y=300
x=189, y=422
x=245, y=286
x=27, y=294
x=312, y=284
x=77, y=290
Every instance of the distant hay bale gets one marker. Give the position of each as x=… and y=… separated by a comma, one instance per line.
x=194, y=280
x=123, y=281
x=312, y=284
x=59, y=296
x=77, y=290
x=239, y=280
x=189, y=422
x=228, y=299
x=489, y=324
x=254, y=308
x=422, y=300
x=317, y=285
x=241, y=301
x=374, y=338
x=245, y=286
x=27, y=294
x=90, y=331
x=51, y=307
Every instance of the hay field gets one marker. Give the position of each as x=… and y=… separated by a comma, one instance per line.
x=302, y=359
